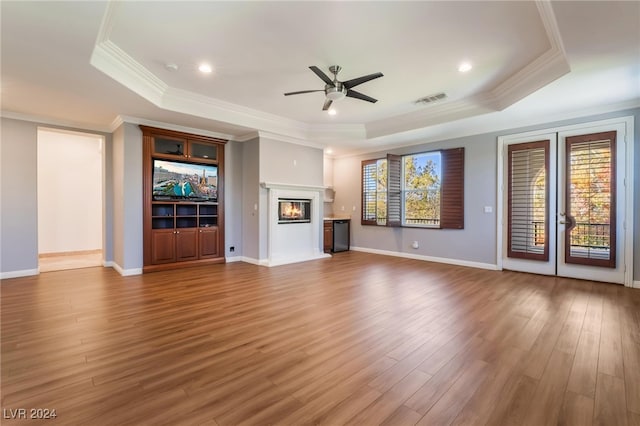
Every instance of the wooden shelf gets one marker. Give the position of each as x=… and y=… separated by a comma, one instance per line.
x=182, y=232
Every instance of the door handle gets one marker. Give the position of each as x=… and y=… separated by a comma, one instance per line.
x=570, y=222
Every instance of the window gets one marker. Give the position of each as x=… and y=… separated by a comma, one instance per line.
x=422, y=174
x=374, y=192
x=423, y=190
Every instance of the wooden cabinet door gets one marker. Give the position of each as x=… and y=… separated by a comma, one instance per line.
x=163, y=246
x=328, y=235
x=186, y=244
x=208, y=242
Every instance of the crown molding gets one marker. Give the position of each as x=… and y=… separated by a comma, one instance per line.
x=480, y=104
x=116, y=63
x=543, y=70
x=121, y=119
x=289, y=139
x=462, y=129
x=246, y=137
x=187, y=102
x=65, y=124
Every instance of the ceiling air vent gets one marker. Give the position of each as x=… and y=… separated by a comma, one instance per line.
x=431, y=98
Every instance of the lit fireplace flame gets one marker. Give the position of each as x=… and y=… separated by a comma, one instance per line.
x=292, y=211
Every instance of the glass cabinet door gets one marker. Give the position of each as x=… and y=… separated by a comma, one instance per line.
x=168, y=146
x=203, y=151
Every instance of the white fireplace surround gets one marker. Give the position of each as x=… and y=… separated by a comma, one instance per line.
x=294, y=242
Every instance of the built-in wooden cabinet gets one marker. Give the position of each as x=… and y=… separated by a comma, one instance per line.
x=328, y=235
x=182, y=227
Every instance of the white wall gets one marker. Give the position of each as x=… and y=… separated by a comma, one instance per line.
x=70, y=208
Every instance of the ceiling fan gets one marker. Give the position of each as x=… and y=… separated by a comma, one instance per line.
x=336, y=90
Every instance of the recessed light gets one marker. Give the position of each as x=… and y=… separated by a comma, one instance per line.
x=465, y=66
x=329, y=151
x=170, y=66
x=332, y=111
x=205, y=68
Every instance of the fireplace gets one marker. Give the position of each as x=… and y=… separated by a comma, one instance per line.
x=294, y=210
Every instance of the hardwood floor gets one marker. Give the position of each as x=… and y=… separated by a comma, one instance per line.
x=355, y=339
x=69, y=260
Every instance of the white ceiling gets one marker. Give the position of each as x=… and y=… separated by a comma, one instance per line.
x=91, y=64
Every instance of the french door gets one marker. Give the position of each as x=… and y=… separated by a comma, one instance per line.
x=564, y=203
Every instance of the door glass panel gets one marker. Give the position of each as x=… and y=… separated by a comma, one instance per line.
x=528, y=231
x=590, y=200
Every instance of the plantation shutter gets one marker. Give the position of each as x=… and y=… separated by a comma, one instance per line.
x=591, y=200
x=369, y=192
x=452, y=192
x=528, y=201
x=394, y=194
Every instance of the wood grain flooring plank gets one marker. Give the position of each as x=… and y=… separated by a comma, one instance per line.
x=577, y=410
x=610, y=404
x=403, y=416
x=451, y=403
x=584, y=370
x=513, y=407
x=547, y=400
x=390, y=401
x=361, y=337
x=610, y=358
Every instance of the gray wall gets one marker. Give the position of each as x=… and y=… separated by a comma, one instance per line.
x=233, y=197
x=477, y=242
x=127, y=186
x=18, y=197
x=250, y=197
x=18, y=202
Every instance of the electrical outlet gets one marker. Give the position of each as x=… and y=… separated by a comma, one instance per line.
x=488, y=209
x=415, y=245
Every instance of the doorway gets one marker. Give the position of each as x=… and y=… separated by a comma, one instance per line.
x=565, y=197
x=70, y=199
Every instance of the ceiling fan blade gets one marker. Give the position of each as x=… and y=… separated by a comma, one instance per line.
x=358, y=95
x=302, y=91
x=322, y=75
x=327, y=104
x=356, y=81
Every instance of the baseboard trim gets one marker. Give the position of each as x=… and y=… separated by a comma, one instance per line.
x=70, y=253
x=270, y=263
x=245, y=259
x=446, y=260
x=636, y=284
x=126, y=272
x=18, y=274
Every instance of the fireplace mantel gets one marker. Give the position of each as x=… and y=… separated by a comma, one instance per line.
x=291, y=186
x=294, y=242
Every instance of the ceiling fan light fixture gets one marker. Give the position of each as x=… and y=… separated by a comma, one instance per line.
x=335, y=94
x=332, y=111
